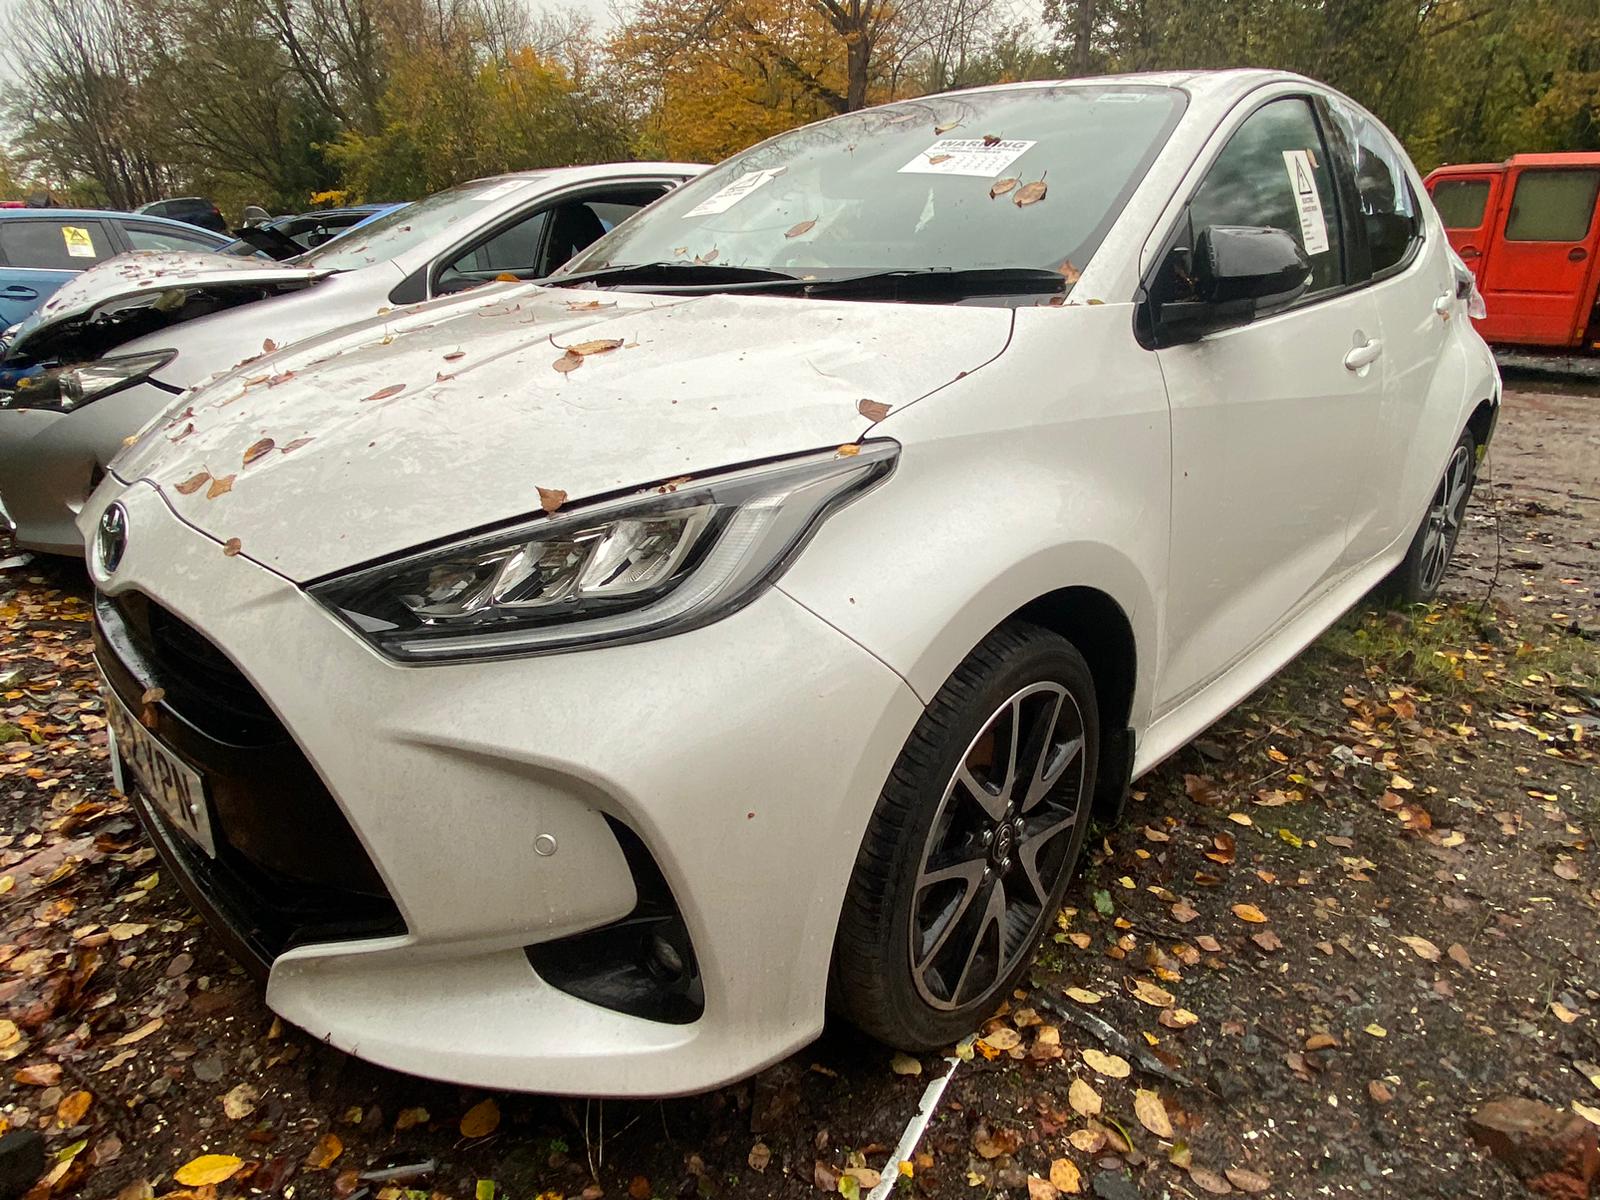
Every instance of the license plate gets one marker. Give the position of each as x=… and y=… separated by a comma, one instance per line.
x=174, y=788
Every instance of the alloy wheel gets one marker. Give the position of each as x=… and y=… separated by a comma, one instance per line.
x=997, y=846
x=1445, y=517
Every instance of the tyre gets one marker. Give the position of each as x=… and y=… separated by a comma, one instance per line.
x=972, y=842
x=1416, y=580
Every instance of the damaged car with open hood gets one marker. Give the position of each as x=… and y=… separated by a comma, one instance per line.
x=590, y=691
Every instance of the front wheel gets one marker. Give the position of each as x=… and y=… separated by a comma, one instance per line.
x=1416, y=580
x=971, y=844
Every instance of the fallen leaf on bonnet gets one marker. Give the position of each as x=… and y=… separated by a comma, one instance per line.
x=592, y=305
x=219, y=486
x=872, y=410
x=455, y=354
x=1247, y=1180
x=1064, y=1175
x=1423, y=947
x=383, y=393
x=268, y=346
x=1084, y=1099
x=550, y=499
x=803, y=227
x=1109, y=1065
x=506, y=277
x=1149, y=993
x=848, y=450
x=322, y=1155
x=1152, y=1113
x=193, y=484
x=1250, y=913
x=481, y=1119
x=905, y=1064
x=231, y=547
x=568, y=362
x=208, y=1169
x=1210, y=1181
x=72, y=1108
x=1001, y=186
x=1031, y=193
x=294, y=445
x=257, y=449
x=597, y=346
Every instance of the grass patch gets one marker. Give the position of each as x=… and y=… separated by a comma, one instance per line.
x=1456, y=651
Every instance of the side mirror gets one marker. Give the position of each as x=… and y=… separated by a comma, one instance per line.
x=1233, y=273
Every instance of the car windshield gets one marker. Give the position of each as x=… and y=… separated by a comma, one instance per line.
x=1025, y=177
x=395, y=232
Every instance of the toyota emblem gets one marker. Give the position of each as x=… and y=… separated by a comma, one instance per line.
x=111, y=538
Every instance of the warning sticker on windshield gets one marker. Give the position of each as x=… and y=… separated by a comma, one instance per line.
x=981, y=157
x=1303, y=182
x=79, y=243
x=727, y=196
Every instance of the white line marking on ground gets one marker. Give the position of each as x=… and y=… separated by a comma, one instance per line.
x=907, y=1146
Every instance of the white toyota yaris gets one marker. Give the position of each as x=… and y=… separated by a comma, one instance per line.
x=586, y=692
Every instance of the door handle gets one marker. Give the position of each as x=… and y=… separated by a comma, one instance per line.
x=17, y=292
x=1469, y=252
x=1442, y=304
x=1363, y=355
x=1577, y=254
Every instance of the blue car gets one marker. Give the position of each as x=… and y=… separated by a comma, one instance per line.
x=42, y=248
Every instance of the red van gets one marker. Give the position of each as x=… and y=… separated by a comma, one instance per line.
x=1529, y=229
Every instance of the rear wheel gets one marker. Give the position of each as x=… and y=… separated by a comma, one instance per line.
x=1416, y=580
x=972, y=842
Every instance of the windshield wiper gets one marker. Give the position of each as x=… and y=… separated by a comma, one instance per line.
x=698, y=279
x=706, y=275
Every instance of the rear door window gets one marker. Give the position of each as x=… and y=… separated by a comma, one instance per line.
x=55, y=245
x=160, y=237
x=1553, y=206
x=1461, y=202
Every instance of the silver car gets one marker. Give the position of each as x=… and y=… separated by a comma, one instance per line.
x=116, y=346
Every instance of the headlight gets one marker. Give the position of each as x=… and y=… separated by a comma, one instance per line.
x=646, y=566
x=67, y=388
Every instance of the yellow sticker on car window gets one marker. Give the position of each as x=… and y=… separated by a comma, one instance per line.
x=79, y=243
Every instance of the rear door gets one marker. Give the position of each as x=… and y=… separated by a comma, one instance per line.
x=1467, y=204
x=1538, y=280
x=40, y=254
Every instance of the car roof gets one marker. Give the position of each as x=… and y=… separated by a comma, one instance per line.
x=97, y=214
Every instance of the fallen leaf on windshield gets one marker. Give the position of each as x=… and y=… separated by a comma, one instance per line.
x=394, y=389
x=1069, y=272
x=872, y=410
x=208, y=1169
x=568, y=362
x=551, y=499
x=1002, y=186
x=704, y=259
x=231, y=547
x=193, y=484
x=991, y=139
x=506, y=277
x=482, y=1119
x=257, y=449
x=1031, y=193
x=803, y=227
x=1152, y=1113
x=294, y=445
x=936, y=159
x=946, y=128
x=219, y=485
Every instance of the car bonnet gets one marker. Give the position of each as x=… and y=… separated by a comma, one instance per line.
x=384, y=438
x=164, y=279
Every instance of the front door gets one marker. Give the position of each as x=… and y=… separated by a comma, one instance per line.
x=1539, y=281
x=1272, y=421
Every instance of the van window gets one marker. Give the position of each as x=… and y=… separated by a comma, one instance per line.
x=1461, y=202
x=1553, y=206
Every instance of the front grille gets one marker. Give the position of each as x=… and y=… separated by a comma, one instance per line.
x=289, y=868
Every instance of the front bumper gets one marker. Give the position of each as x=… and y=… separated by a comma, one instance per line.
x=489, y=806
x=51, y=461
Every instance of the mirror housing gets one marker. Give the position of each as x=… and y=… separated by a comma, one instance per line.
x=1234, y=273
